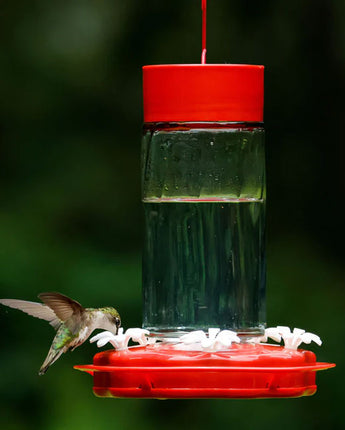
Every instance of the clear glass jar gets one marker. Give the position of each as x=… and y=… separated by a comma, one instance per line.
x=203, y=190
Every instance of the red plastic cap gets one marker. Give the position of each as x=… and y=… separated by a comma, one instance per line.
x=203, y=92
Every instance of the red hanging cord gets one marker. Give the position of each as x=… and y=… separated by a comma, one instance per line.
x=203, y=52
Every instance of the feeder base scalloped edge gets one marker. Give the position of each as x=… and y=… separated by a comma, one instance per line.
x=243, y=371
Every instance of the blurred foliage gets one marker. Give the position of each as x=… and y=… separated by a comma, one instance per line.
x=70, y=216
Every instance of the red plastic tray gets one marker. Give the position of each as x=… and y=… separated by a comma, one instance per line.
x=243, y=371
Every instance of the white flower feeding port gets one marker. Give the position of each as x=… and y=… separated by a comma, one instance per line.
x=292, y=339
x=120, y=341
x=214, y=340
x=203, y=177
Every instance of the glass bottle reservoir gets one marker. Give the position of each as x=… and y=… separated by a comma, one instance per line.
x=203, y=189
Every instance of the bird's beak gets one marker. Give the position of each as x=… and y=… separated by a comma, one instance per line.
x=115, y=330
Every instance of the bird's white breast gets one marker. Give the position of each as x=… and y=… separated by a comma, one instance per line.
x=84, y=333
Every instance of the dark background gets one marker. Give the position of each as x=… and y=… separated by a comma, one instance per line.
x=70, y=214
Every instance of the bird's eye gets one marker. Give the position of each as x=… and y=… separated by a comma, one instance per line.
x=117, y=322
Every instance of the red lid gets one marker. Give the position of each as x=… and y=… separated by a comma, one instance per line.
x=203, y=92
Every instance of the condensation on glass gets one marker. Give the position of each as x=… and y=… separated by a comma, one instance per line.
x=203, y=190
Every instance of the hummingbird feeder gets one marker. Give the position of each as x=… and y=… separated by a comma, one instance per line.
x=204, y=333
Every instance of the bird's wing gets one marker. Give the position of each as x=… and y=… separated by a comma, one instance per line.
x=63, y=306
x=34, y=309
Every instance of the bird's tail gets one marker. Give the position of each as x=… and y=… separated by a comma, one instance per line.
x=52, y=356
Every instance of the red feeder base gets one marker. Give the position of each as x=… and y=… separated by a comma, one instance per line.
x=243, y=371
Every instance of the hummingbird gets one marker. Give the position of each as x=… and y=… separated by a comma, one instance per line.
x=73, y=323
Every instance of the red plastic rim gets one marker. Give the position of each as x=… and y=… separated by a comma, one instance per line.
x=244, y=371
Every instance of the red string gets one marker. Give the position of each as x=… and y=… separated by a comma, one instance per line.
x=203, y=52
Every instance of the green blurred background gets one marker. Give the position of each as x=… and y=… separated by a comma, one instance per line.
x=71, y=219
